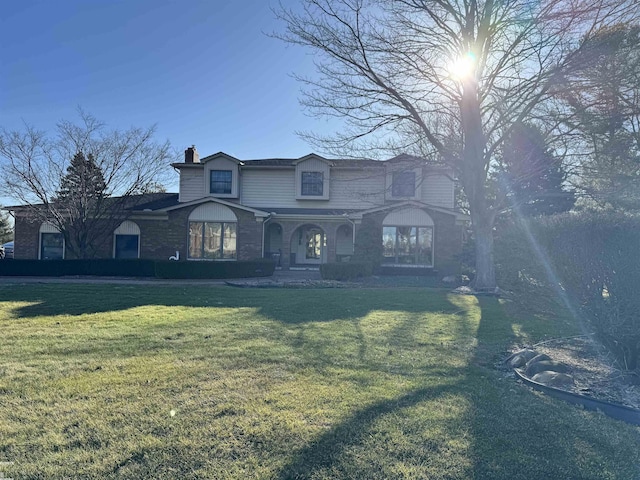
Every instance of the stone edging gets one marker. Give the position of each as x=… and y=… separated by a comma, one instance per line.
x=614, y=410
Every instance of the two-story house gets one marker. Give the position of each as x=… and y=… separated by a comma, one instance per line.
x=301, y=212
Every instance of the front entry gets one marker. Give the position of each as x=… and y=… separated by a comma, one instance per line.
x=308, y=246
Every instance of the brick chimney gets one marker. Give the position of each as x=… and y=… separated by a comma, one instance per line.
x=191, y=155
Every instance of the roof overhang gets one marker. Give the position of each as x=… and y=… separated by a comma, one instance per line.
x=200, y=201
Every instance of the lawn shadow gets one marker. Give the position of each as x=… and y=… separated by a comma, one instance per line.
x=291, y=306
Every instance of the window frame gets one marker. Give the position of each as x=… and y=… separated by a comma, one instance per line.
x=309, y=188
x=222, y=241
x=400, y=186
x=41, y=249
x=115, y=245
x=413, y=242
x=227, y=184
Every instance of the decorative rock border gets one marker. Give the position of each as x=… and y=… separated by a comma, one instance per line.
x=526, y=363
x=614, y=410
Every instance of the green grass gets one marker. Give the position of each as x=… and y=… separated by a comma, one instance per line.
x=191, y=382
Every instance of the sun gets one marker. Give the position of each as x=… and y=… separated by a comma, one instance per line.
x=463, y=66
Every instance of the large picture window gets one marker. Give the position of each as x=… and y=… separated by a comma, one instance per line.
x=221, y=181
x=51, y=246
x=403, y=184
x=212, y=240
x=312, y=183
x=408, y=245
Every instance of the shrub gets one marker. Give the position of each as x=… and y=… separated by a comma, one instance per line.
x=239, y=269
x=137, y=268
x=368, y=245
x=346, y=271
x=97, y=267
x=593, y=258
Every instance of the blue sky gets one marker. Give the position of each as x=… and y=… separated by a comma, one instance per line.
x=203, y=71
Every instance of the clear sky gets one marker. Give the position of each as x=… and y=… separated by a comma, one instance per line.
x=203, y=71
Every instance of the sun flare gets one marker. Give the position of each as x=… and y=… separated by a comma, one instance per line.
x=462, y=67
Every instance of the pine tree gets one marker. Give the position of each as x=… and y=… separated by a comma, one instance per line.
x=84, y=180
x=532, y=178
x=81, y=196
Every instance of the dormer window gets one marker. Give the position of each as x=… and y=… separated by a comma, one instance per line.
x=403, y=184
x=221, y=181
x=312, y=183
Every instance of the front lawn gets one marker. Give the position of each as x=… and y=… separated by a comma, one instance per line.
x=149, y=382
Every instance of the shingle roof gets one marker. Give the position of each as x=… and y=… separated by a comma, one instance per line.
x=158, y=201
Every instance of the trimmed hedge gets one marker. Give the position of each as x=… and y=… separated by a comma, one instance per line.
x=241, y=269
x=346, y=270
x=137, y=268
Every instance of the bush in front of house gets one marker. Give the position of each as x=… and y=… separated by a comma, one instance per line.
x=137, y=268
x=345, y=270
x=238, y=269
x=368, y=247
x=591, y=259
x=94, y=267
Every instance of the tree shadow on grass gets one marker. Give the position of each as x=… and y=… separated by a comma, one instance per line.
x=512, y=433
x=291, y=306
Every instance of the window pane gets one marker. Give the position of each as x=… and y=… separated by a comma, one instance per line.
x=221, y=181
x=406, y=245
x=229, y=242
x=389, y=243
x=126, y=246
x=52, y=246
x=403, y=184
x=314, y=244
x=312, y=183
x=425, y=246
x=195, y=239
x=212, y=240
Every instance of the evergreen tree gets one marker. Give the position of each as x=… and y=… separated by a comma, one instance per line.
x=531, y=177
x=6, y=232
x=604, y=96
x=81, y=195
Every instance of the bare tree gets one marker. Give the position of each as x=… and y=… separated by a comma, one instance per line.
x=444, y=78
x=37, y=170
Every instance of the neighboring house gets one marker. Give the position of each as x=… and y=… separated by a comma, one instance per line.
x=301, y=212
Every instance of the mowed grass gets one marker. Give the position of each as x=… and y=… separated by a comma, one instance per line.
x=151, y=382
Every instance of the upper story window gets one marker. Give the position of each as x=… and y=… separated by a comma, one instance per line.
x=403, y=184
x=312, y=183
x=221, y=181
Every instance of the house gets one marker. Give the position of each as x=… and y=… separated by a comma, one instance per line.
x=301, y=212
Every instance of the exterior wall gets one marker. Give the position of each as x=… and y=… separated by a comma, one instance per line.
x=26, y=238
x=447, y=241
x=437, y=190
x=349, y=188
x=160, y=239
x=191, y=184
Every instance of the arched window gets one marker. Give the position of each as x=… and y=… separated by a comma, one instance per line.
x=407, y=238
x=212, y=233
x=51, y=242
x=126, y=240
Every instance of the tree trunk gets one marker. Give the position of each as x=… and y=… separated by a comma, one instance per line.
x=474, y=180
x=485, y=280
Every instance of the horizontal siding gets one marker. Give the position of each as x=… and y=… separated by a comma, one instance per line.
x=437, y=190
x=191, y=184
x=348, y=189
x=268, y=188
x=357, y=188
